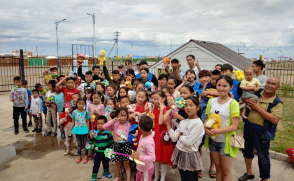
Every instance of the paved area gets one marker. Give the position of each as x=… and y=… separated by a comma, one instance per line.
x=28, y=156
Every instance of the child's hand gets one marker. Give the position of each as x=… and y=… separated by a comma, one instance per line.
x=176, y=115
x=136, y=155
x=12, y=100
x=40, y=114
x=185, y=80
x=256, y=89
x=243, y=114
x=69, y=133
x=95, y=113
x=138, y=114
x=161, y=105
x=92, y=135
x=116, y=119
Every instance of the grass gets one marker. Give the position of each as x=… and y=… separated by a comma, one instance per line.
x=285, y=133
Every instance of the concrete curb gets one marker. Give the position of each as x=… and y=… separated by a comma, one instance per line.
x=276, y=155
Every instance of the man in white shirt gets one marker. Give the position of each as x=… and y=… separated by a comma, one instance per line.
x=191, y=62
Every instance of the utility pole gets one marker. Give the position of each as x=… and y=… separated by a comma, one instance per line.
x=171, y=46
x=94, y=40
x=56, y=26
x=116, y=34
x=132, y=53
x=37, y=50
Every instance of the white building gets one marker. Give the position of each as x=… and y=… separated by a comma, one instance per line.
x=208, y=55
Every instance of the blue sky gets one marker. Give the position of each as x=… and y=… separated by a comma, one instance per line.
x=265, y=26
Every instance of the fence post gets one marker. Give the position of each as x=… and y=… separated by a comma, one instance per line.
x=22, y=73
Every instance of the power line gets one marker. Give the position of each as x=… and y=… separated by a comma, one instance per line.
x=116, y=34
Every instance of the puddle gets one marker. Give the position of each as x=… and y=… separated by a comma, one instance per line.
x=7, y=152
x=8, y=129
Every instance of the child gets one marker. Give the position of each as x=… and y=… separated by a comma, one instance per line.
x=124, y=102
x=96, y=107
x=172, y=83
x=59, y=101
x=88, y=93
x=163, y=152
x=42, y=93
x=51, y=110
x=80, y=127
x=190, y=79
x=144, y=72
x=228, y=110
x=54, y=74
x=100, y=88
x=111, y=92
x=204, y=78
x=209, y=91
x=111, y=102
x=188, y=136
x=24, y=84
x=66, y=121
x=120, y=128
x=140, y=85
x=162, y=81
x=74, y=101
x=61, y=77
x=20, y=100
x=123, y=91
x=36, y=111
x=146, y=150
x=102, y=141
x=249, y=86
x=69, y=90
x=115, y=78
x=218, y=67
x=166, y=90
x=88, y=79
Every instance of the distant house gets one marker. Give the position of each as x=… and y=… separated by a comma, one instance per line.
x=208, y=55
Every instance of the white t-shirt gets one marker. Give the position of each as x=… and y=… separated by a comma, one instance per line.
x=48, y=94
x=224, y=113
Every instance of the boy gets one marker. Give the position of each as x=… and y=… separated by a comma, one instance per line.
x=102, y=141
x=162, y=81
x=124, y=102
x=204, y=78
x=59, y=78
x=42, y=93
x=88, y=79
x=95, y=70
x=250, y=85
x=54, y=74
x=227, y=69
x=218, y=67
x=176, y=71
x=115, y=77
x=19, y=97
x=69, y=90
x=258, y=66
x=209, y=91
x=146, y=150
x=36, y=111
x=24, y=84
x=51, y=110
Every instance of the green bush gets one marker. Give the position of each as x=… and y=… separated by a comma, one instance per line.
x=286, y=88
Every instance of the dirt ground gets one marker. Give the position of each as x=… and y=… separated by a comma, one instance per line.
x=30, y=156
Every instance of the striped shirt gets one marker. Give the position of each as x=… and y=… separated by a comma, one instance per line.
x=102, y=141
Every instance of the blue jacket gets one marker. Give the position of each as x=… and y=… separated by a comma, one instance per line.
x=234, y=91
x=150, y=76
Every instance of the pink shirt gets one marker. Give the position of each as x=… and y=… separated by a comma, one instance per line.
x=99, y=108
x=146, y=150
x=119, y=130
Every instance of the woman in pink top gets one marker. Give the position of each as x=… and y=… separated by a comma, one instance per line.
x=146, y=150
x=96, y=107
x=120, y=128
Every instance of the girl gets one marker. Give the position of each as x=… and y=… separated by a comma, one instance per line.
x=65, y=121
x=130, y=72
x=166, y=90
x=144, y=78
x=96, y=107
x=134, y=83
x=80, y=127
x=172, y=83
x=163, y=151
x=111, y=102
x=123, y=91
x=190, y=79
x=100, y=88
x=88, y=93
x=120, y=128
x=102, y=75
x=59, y=106
x=228, y=110
x=122, y=82
x=188, y=136
x=73, y=102
x=140, y=85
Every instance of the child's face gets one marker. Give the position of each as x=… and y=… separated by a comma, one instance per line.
x=96, y=98
x=249, y=74
x=100, y=124
x=190, y=108
x=190, y=77
x=110, y=91
x=54, y=71
x=174, y=65
x=223, y=87
x=100, y=89
x=141, y=98
x=152, y=99
x=144, y=75
x=135, y=85
x=124, y=102
x=171, y=84
x=75, y=97
x=122, y=82
x=40, y=89
x=184, y=92
x=110, y=103
x=203, y=80
x=35, y=94
x=96, y=71
x=57, y=89
x=219, y=68
x=88, y=95
x=70, y=84
x=122, y=92
x=115, y=77
x=140, y=86
x=63, y=81
x=81, y=105
x=158, y=99
x=166, y=92
x=122, y=117
x=103, y=76
x=24, y=85
x=162, y=82
x=88, y=78
x=50, y=87
x=18, y=83
x=213, y=79
x=227, y=72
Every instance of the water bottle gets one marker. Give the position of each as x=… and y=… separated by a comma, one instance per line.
x=71, y=73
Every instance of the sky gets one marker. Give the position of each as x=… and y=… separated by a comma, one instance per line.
x=151, y=28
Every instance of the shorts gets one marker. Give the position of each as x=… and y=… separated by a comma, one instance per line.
x=44, y=108
x=217, y=147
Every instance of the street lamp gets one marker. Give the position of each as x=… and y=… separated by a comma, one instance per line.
x=94, y=41
x=56, y=26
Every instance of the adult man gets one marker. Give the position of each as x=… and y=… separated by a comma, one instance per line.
x=191, y=63
x=151, y=77
x=258, y=65
x=260, y=128
x=176, y=70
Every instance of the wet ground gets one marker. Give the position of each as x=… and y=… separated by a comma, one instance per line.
x=30, y=156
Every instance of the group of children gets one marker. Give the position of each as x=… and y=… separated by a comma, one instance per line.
x=140, y=121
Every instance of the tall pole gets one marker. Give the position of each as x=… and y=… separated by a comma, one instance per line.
x=116, y=34
x=132, y=52
x=56, y=26
x=94, y=39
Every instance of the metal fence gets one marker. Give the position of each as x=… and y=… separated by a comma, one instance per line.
x=282, y=70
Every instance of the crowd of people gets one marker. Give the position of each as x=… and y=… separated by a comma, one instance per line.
x=155, y=123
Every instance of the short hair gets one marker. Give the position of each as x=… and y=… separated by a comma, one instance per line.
x=215, y=72
x=24, y=82
x=123, y=97
x=95, y=67
x=174, y=60
x=227, y=67
x=131, y=71
x=70, y=78
x=102, y=118
x=52, y=82
x=16, y=78
x=120, y=67
x=35, y=90
x=115, y=72
x=145, y=70
x=112, y=86
x=75, y=73
x=146, y=123
x=37, y=85
x=162, y=76
x=220, y=65
x=203, y=73
x=53, y=68
x=58, y=78
x=190, y=56
x=259, y=63
x=89, y=73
